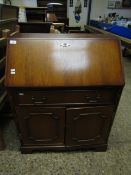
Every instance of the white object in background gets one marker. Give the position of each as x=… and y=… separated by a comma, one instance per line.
x=78, y=11
x=30, y=3
x=127, y=23
x=27, y=3
x=1, y=2
x=22, y=14
x=54, y=3
x=84, y=14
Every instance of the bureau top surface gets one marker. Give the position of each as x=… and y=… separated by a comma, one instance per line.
x=59, y=36
x=63, y=60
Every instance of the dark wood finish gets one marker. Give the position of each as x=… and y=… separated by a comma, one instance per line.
x=35, y=14
x=44, y=126
x=96, y=96
x=88, y=125
x=65, y=89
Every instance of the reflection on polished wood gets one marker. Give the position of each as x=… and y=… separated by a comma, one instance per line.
x=65, y=60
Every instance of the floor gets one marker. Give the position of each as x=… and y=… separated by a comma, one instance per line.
x=116, y=161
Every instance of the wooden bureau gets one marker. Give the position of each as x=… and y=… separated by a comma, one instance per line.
x=65, y=89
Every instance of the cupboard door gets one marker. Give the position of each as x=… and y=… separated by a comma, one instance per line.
x=87, y=126
x=44, y=126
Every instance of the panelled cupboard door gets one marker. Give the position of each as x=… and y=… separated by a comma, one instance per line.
x=87, y=126
x=44, y=126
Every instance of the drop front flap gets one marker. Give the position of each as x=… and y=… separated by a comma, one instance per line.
x=64, y=60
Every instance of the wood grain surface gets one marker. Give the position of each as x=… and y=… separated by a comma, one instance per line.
x=63, y=60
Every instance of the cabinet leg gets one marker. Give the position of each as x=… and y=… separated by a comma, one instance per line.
x=26, y=150
x=101, y=148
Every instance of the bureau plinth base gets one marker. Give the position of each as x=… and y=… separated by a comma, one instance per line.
x=31, y=149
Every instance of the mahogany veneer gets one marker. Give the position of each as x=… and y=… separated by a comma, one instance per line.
x=65, y=89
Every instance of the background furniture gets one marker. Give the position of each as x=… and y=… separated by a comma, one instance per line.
x=59, y=26
x=8, y=23
x=59, y=10
x=60, y=104
x=91, y=29
x=51, y=17
x=42, y=17
x=33, y=27
x=122, y=33
x=70, y=28
x=8, y=20
x=37, y=14
x=115, y=29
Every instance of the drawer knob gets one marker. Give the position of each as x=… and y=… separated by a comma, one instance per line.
x=41, y=101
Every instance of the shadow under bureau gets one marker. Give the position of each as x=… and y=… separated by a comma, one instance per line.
x=64, y=88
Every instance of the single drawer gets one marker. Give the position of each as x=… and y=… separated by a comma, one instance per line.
x=65, y=97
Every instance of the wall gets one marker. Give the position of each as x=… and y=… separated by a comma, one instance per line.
x=30, y=3
x=99, y=8
x=1, y=1
x=70, y=14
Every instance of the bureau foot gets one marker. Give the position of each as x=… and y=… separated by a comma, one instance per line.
x=26, y=150
x=101, y=148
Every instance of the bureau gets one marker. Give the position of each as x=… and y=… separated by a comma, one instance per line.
x=64, y=88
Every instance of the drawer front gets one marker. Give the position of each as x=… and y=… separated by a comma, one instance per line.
x=65, y=97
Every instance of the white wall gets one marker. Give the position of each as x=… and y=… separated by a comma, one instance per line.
x=1, y=1
x=30, y=3
x=121, y=12
x=99, y=8
x=70, y=14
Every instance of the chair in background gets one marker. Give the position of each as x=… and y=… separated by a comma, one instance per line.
x=51, y=17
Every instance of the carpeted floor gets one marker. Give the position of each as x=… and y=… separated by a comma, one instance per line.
x=116, y=161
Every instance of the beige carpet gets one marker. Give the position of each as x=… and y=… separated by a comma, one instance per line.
x=116, y=161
